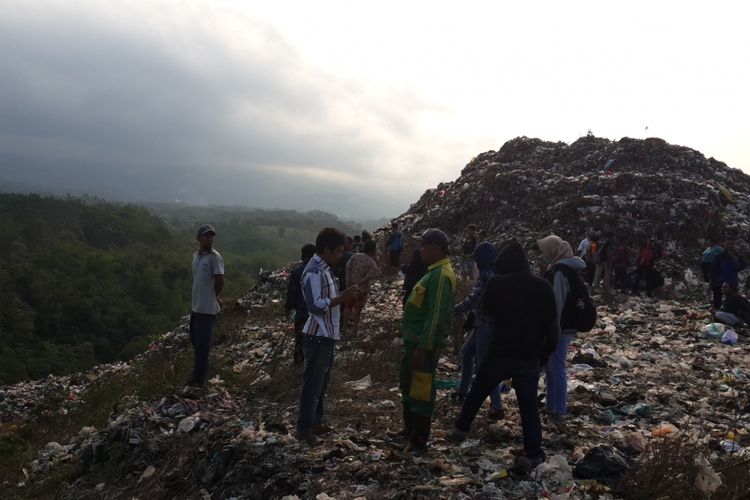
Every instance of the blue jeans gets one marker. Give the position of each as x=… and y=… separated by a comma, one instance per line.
x=201, y=332
x=318, y=352
x=556, y=373
x=475, y=349
x=525, y=376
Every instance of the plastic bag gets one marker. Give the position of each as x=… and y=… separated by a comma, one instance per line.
x=730, y=337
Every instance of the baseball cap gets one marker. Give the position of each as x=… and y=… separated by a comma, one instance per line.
x=436, y=236
x=206, y=228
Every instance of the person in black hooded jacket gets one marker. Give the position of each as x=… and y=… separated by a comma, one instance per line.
x=526, y=331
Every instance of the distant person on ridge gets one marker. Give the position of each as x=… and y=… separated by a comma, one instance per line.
x=620, y=262
x=361, y=270
x=477, y=345
x=394, y=245
x=295, y=301
x=413, y=272
x=339, y=271
x=604, y=268
x=208, y=281
x=724, y=269
x=358, y=246
x=645, y=265
x=321, y=331
x=707, y=258
x=467, y=249
x=427, y=323
x=736, y=308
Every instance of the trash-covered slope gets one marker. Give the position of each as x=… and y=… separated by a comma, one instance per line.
x=631, y=188
x=643, y=383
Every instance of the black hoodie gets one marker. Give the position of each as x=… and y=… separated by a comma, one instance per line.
x=522, y=307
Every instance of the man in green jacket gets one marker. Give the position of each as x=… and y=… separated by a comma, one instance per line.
x=426, y=324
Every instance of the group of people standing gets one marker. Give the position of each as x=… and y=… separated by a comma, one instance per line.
x=608, y=264
x=523, y=324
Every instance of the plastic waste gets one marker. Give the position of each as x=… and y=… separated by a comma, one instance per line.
x=713, y=330
x=730, y=337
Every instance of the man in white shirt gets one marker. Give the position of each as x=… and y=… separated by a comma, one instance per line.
x=208, y=281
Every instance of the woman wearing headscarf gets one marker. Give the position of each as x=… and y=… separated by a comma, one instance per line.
x=561, y=263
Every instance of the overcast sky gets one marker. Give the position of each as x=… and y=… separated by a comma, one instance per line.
x=350, y=107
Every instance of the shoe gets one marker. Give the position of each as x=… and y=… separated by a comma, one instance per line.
x=556, y=420
x=308, y=438
x=525, y=464
x=399, y=437
x=457, y=436
x=320, y=430
x=495, y=414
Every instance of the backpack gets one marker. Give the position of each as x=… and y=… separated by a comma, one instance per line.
x=579, y=311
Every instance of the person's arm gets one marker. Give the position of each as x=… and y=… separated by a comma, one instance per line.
x=217, y=269
x=472, y=300
x=317, y=304
x=439, y=307
x=291, y=290
x=561, y=288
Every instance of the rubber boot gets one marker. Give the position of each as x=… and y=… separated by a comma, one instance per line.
x=405, y=433
x=420, y=434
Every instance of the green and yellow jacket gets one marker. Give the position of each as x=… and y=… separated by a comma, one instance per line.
x=428, y=313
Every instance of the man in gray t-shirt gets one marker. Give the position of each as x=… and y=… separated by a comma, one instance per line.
x=208, y=281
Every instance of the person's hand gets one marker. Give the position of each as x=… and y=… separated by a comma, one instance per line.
x=350, y=293
x=220, y=301
x=418, y=360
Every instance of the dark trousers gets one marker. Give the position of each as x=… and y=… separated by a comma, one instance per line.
x=642, y=272
x=525, y=376
x=299, y=323
x=706, y=268
x=318, y=352
x=716, y=296
x=621, y=277
x=201, y=333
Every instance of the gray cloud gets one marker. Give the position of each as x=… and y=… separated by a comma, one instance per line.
x=140, y=105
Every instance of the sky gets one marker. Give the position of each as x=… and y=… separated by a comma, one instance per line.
x=351, y=107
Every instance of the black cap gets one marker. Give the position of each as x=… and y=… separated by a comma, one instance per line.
x=206, y=228
x=435, y=236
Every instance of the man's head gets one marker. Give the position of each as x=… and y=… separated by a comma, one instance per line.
x=348, y=244
x=308, y=251
x=434, y=244
x=371, y=249
x=205, y=237
x=712, y=242
x=728, y=243
x=471, y=228
x=330, y=245
x=727, y=288
x=394, y=225
x=357, y=239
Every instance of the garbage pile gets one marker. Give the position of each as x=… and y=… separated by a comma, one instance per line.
x=630, y=188
x=650, y=372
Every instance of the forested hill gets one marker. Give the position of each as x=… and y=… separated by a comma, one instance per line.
x=83, y=281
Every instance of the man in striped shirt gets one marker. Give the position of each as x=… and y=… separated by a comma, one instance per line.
x=321, y=331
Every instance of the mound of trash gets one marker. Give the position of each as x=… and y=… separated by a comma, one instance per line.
x=630, y=188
